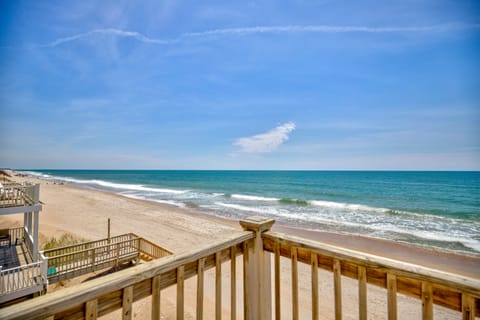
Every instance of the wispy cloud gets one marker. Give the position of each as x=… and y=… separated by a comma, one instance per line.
x=330, y=29
x=263, y=30
x=266, y=142
x=112, y=32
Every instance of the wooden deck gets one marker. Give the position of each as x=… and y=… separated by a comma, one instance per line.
x=23, y=272
x=258, y=247
x=14, y=256
x=72, y=261
x=19, y=275
x=22, y=281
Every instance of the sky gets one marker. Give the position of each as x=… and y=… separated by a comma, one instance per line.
x=300, y=85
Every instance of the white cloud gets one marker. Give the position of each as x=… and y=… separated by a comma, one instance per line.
x=113, y=32
x=266, y=142
x=329, y=29
x=264, y=29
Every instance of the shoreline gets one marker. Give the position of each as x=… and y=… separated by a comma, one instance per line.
x=436, y=258
x=443, y=231
x=84, y=212
x=460, y=263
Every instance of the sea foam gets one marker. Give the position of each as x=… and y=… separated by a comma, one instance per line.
x=108, y=184
x=263, y=210
x=252, y=198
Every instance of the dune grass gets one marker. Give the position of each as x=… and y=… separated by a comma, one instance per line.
x=65, y=239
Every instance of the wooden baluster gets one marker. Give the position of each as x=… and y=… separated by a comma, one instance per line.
x=294, y=284
x=201, y=267
x=233, y=282
x=117, y=254
x=218, y=286
x=17, y=279
x=156, y=293
x=427, y=301
x=314, y=261
x=277, y=281
x=337, y=283
x=127, y=303
x=362, y=293
x=91, y=310
x=468, y=307
x=246, y=310
x=392, y=296
x=93, y=259
x=180, y=292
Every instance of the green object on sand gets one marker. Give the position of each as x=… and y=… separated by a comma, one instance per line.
x=51, y=271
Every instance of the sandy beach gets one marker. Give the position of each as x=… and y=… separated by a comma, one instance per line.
x=84, y=213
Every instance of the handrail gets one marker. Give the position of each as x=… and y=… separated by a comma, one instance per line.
x=16, y=233
x=28, y=243
x=151, y=243
x=443, y=288
x=86, y=297
x=406, y=269
x=89, y=244
x=72, y=264
x=99, y=248
x=16, y=194
x=152, y=250
x=21, y=278
x=123, y=244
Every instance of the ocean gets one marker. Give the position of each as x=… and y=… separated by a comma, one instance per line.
x=433, y=209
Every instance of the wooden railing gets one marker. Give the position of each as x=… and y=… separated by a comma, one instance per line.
x=29, y=244
x=69, y=265
x=16, y=233
x=152, y=250
x=16, y=194
x=88, y=245
x=258, y=247
x=430, y=286
x=71, y=261
x=119, y=290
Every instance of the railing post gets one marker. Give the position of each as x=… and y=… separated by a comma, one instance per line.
x=259, y=280
x=44, y=269
x=35, y=236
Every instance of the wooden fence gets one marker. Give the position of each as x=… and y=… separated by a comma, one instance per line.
x=257, y=245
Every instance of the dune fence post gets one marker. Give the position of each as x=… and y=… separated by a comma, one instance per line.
x=259, y=288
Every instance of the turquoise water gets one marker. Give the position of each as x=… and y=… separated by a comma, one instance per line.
x=436, y=209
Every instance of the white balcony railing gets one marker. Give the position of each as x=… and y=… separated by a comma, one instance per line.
x=16, y=194
x=23, y=280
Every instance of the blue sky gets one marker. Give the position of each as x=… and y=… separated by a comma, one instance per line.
x=240, y=85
